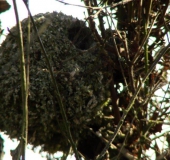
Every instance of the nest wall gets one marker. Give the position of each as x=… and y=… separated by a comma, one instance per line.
x=80, y=80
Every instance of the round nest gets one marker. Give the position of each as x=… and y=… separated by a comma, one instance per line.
x=77, y=74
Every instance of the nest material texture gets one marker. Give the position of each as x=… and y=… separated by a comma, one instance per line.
x=79, y=81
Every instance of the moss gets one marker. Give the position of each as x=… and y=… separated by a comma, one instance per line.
x=79, y=81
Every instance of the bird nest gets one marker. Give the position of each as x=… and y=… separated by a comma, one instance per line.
x=77, y=73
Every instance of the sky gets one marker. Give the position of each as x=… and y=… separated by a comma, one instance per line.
x=8, y=20
x=39, y=6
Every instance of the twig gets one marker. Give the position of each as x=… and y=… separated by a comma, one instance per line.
x=163, y=155
x=101, y=22
x=16, y=153
x=160, y=135
x=156, y=121
x=88, y=7
x=56, y=90
x=122, y=150
x=117, y=51
x=96, y=8
x=144, y=40
x=23, y=86
x=160, y=54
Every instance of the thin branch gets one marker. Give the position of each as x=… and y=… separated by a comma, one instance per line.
x=101, y=22
x=145, y=39
x=160, y=135
x=156, y=121
x=56, y=90
x=96, y=8
x=160, y=54
x=163, y=155
x=121, y=150
x=117, y=51
x=23, y=86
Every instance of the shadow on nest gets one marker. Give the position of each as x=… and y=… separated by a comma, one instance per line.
x=79, y=79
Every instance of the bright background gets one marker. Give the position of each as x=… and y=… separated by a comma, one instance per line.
x=8, y=20
x=42, y=6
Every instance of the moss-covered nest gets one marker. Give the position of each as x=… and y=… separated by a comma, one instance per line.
x=77, y=72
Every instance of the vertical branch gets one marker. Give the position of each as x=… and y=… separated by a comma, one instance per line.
x=27, y=65
x=146, y=24
x=101, y=22
x=131, y=103
x=114, y=99
x=23, y=86
x=92, y=23
x=56, y=90
x=28, y=52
